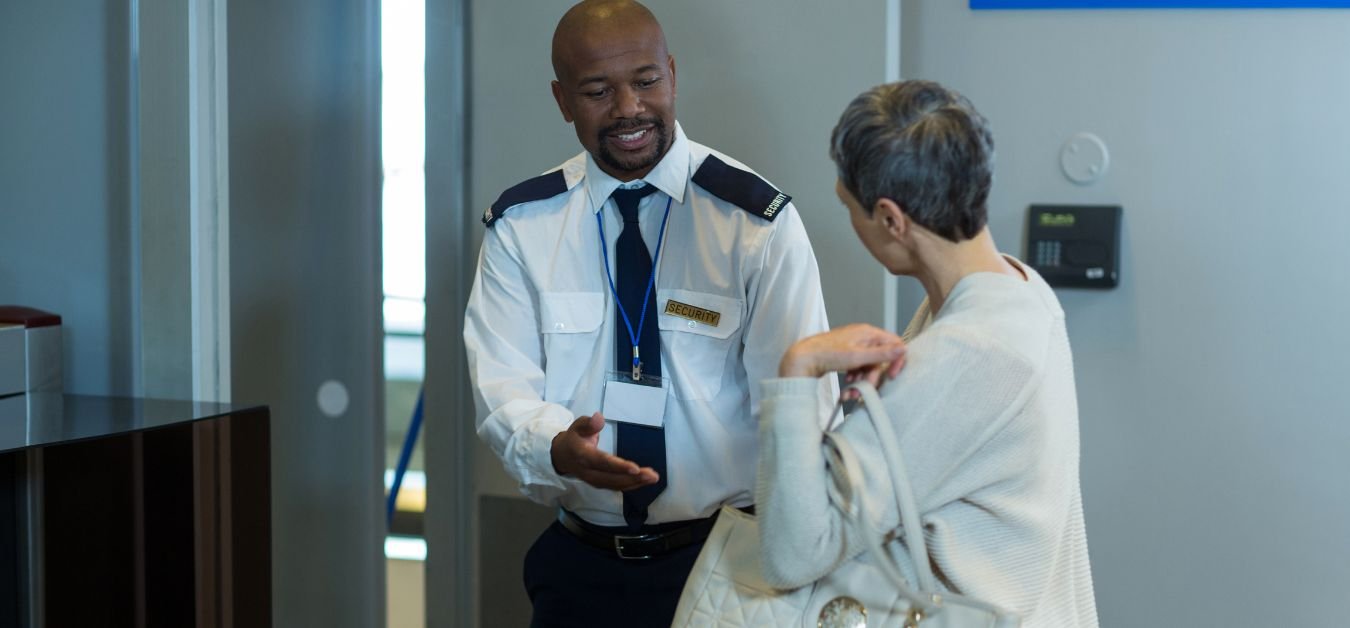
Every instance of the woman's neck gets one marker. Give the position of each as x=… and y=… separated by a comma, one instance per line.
x=943, y=263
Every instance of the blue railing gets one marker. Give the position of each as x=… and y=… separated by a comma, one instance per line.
x=408, y=442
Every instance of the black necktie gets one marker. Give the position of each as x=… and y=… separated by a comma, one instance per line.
x=641, y=444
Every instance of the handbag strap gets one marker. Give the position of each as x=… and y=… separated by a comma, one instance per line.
x=857, y=504
x=904, y=491
x=849, y=493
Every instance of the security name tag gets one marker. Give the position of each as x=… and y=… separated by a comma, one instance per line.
x=634, y=403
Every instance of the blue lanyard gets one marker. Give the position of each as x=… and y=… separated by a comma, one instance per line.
x=604, y=248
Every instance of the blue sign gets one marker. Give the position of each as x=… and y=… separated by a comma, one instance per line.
x=1159, y=4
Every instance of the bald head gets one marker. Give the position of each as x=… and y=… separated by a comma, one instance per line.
x=616, y=84
x=588, y=24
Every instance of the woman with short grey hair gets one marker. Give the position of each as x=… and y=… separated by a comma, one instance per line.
x=980, y=388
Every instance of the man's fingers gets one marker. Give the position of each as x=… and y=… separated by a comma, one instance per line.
x=582, y=460
x=588, y=426
x=574, y=450
x=605, y=470
x=603, y=462
x=619, y=481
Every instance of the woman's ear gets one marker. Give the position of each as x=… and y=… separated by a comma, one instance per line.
x=888, y=213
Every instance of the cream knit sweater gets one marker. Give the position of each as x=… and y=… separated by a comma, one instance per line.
x=987, y=420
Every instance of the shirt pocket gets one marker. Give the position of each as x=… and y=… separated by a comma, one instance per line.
x=569, y=323
x=700, y=334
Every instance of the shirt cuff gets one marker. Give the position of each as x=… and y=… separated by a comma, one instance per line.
x=534, y=447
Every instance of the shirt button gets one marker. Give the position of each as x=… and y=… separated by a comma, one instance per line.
x=558, y=325
x=693, y=324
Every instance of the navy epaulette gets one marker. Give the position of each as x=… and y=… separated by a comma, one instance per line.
x=743, y=189
x=536, y=189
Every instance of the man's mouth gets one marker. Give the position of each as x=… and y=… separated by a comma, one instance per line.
x=632, y=140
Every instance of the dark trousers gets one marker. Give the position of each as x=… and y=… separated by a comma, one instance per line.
x=574, y=584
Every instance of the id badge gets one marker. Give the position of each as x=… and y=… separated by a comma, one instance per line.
x=641, y=403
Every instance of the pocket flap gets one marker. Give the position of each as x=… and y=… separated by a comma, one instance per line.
x=570, y=312
x=699, y=312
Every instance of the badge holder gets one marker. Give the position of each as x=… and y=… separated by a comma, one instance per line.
x=641, y=402
x=632, y=396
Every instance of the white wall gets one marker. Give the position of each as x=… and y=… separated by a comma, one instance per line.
x=1212, y=381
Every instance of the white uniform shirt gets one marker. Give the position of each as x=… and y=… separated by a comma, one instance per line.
x=540, y=327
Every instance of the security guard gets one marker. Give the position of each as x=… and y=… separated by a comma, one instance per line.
x=625, y=306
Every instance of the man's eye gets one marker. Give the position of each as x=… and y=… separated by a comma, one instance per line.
x=645, y=83
x=599, y=93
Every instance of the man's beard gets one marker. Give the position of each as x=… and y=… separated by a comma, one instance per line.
x=637, y=162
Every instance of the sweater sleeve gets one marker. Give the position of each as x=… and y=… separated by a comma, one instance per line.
x=799, y=531
x=957, y=391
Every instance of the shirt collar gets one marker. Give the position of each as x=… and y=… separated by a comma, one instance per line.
x=670, y=175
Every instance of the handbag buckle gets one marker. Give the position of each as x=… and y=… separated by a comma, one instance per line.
x=620, y=539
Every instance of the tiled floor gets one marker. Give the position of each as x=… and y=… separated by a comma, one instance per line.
x=507, y=528
x=405, y=581
x=406, y=603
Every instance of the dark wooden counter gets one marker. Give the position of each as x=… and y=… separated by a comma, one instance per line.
x=133, y=512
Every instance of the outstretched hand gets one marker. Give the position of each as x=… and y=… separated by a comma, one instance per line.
x=862, y=352
x=576, y=453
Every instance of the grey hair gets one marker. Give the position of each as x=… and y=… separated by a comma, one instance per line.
x=923, y=146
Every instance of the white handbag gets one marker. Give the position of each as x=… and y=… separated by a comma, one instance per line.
x=726, y=586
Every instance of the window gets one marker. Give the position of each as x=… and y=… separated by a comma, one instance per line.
x=404, y=227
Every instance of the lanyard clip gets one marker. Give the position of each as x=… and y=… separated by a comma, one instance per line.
x=637, y=365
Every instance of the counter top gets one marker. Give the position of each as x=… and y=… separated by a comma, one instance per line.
x=42, y=419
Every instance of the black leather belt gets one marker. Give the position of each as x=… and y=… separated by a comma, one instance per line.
x=657, y=541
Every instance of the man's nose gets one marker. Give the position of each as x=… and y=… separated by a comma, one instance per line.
x=627, y=103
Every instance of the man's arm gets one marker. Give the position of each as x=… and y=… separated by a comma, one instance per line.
x=538, y=442
x=576, y=453
x=506, y=366
x=785, y=304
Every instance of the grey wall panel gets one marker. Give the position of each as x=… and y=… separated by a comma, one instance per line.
x=509, y=527
x=452, y=229
x=304, y=251
x=1211, y=382
x=65, y=219
x=163, y=161
x=765, y=81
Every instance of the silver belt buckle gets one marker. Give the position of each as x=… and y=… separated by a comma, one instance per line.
x=618, y=545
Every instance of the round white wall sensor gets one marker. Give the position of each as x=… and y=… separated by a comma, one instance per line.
x=1084, y=158
x=333, y=398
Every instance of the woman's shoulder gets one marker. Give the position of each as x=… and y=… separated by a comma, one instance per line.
x=1000, y=315
x=965, y=354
